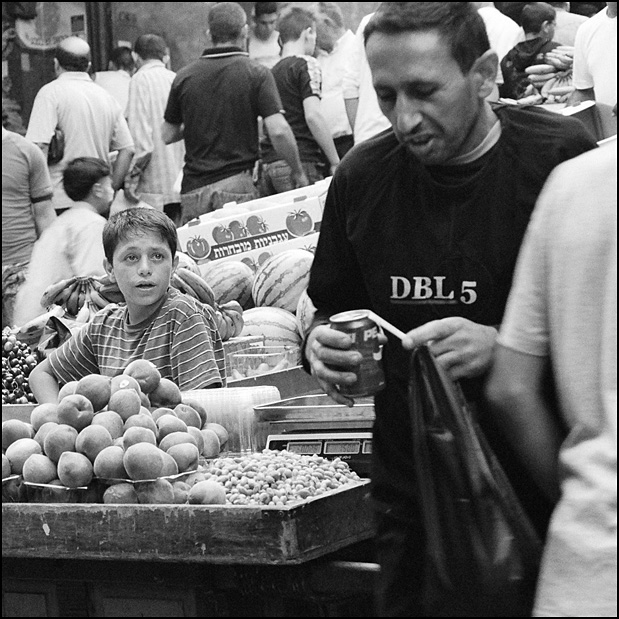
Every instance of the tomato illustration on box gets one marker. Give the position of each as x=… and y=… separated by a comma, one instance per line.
x=211, y=237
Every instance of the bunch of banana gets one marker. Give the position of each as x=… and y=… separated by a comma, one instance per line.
x=193, y=285
x=229, y=317
x=79, y=296
x=107, y=290
x=58, y=293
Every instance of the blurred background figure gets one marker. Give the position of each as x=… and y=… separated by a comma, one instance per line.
x=116, y=79
x=26, y=212
x=567, y=23
x=595, y=58
x=73, y=244
x=90, y=119
x=364, y=114
x=263, y=42
x=155, y=166
x=503, y=33
x=561, y=317
x=334, y=44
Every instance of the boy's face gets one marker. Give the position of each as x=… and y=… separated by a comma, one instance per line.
x=142, y=266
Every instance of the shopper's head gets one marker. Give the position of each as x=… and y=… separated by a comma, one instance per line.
x=329, y=24
x=432, y=68
x=538, y=18
x=121, y=59
x=88, y=179
x=73, y=54
x=150, y=47
x=297, y=23
x=227, y=23
x=265, y=19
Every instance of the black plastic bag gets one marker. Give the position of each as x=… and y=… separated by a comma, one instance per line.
x=55, y=151
x=481, y=552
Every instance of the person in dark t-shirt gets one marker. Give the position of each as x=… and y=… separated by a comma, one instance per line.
x=422, y=225
x=299, y=82
x=214, y=105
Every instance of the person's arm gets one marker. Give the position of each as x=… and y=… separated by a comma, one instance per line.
x=285, y=146
x=121, y=167
x=318, y=126
x=171, y=133
x=515, y=391
x=580, y=95
x=43, y=383
x=462, y=347
x=351, y=105
x=44, y=215
x=44, y=148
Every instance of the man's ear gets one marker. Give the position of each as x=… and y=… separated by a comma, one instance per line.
x=485, y=70
x=109, y=269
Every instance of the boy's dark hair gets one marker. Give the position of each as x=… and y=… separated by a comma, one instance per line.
x=150, y=46
x=226, y=21
x=332, y=11
x=81, y=174
x=71, y=62
x=137, y=221
x=534, y=15
x=293, y=21
x=123, y=58
x=265, y=8
x=458, y=23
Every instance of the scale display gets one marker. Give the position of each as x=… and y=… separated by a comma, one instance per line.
x=353, y=447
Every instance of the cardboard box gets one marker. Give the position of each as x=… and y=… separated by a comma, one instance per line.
x=252, y=226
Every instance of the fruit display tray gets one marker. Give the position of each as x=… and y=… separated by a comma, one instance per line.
x=219, y=534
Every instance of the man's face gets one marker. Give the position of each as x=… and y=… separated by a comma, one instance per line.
x=431, y=105
x=264, y=26
x=142, y=266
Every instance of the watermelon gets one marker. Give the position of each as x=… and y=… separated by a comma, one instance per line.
x=305, y=313
x=185, y=260
x=230, y=281
x=280, y=281
x=276, y=325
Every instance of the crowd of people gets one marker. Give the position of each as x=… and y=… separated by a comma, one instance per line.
x=484, y=230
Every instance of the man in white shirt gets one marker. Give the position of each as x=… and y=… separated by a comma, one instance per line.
x=263, y=41
x=595, y=58
x=116, y=79
x=362, y=108
x=90, y=118
x=333, y=46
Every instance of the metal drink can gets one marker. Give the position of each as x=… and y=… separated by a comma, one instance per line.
x=364, y=334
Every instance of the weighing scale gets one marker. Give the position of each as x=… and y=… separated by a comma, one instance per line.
x=316, y=424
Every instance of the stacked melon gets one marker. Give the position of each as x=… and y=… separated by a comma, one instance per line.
x=132, y=432
x=274, y=298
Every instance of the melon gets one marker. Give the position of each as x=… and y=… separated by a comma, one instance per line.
x=280, y=281
x=305, y=313
x=276, y=325
x=185, y=260
x=230, y=280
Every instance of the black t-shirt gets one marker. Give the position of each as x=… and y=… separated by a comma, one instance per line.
x=416, y=243
x=297, y=78
x=219, y=98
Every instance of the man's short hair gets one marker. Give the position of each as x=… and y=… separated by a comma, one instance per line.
x=123, y=58
x=150, y=46
x=226, y=21
x=82, y=174
x=265, y=8
x=534, y=15
x=71, y=62
x=293, y=22
x=458, y=23
x=137, y=221
x=331, y=10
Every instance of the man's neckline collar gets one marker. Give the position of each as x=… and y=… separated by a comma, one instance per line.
x=221, y=51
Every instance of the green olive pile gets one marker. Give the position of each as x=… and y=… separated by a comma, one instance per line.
x=278, y=477
x=18, y=361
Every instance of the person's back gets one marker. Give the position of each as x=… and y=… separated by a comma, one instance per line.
x=26, y=212
x=562, y=313
x=155, y=166
x=72, y=245
x=595, y=58
x=90, y=118
x=567, y=23
x=538, y=23
x=117, y=78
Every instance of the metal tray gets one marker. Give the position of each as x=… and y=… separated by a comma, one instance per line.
x=314, y=407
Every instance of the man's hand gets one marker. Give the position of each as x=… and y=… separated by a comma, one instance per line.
x=333, y=360
x=462, y=347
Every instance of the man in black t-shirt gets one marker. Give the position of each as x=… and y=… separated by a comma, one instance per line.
x=214, y=104
x=422, y=224
x=299, y=81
